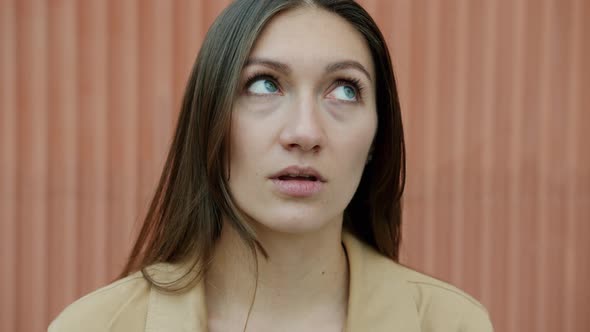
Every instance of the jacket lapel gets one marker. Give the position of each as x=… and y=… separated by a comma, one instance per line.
x=175, y=311
x=379, y=299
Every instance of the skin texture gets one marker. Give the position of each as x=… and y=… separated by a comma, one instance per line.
x=295, y=114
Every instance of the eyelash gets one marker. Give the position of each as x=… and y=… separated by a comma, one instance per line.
x=350, y=81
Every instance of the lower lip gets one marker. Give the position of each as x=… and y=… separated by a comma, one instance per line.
x=298, y=188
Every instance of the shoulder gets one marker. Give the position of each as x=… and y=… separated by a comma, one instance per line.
x=427, y=304
x=119, y=306
x=441, y=304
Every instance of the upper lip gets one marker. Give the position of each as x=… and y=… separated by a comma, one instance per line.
x=299, y=171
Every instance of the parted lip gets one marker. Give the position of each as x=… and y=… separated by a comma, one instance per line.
x=298, y=171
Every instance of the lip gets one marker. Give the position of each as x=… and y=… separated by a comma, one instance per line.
x=298, y=170
x=298, y=188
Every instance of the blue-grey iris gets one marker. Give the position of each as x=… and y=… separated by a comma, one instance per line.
x=349, y=92
x=270, y=86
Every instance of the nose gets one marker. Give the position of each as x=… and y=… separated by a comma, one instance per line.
x=303, y=129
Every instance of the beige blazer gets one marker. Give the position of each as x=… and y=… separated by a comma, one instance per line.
x=383, y=296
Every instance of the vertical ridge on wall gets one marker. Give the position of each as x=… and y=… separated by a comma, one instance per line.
x=431, y=50
x=123, y=114
x=541, y=156
x=582, y=175
x=473, y=160
x=571, y=162
x=188, y=36
x=36, y=204
x=439, y=117
x=488, y=157
x=517, y=19
x=546, y=205
x=457, y=135
x=31, y=263
x=530, y=128
x=8, y=165
x=146, y=168
x=63, y=164
x=500, y=172
x=163, y=47
x=399, y=47
x=93, y=136
x=458, y=104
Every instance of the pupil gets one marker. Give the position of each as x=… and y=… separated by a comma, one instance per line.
x=349, y=92
x=270, y=86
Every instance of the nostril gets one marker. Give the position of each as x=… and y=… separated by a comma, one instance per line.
x=305, y=147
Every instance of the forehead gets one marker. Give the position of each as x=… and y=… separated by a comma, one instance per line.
x=311, y=36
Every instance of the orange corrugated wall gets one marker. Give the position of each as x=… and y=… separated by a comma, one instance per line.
x=496, y=102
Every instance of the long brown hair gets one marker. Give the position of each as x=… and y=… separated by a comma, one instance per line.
x=184, y=219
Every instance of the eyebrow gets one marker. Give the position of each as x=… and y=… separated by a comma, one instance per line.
x=278, y=66
x=349, y=64
x=333, y=67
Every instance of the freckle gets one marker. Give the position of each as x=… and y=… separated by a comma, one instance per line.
x=323, y=272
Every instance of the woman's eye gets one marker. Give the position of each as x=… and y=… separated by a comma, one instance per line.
x=263, y=86
x=344, y=92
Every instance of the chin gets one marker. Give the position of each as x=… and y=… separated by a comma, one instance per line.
x=294, y=223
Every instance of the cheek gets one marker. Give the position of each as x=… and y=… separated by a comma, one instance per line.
x=248, y=141
x=353, y=151
x=360, y=139
x=238, y=144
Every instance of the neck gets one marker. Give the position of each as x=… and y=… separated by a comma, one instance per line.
x=305, y=275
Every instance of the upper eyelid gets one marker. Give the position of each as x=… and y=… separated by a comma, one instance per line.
x=355, y=83
x=256, y=77
x=350, y=81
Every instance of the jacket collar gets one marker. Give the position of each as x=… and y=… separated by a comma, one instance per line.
x=183, y=311
x=379, y=298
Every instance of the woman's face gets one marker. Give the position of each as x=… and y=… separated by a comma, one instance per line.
x=303, y=122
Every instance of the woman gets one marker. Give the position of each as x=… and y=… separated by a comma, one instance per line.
x=279, y=208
